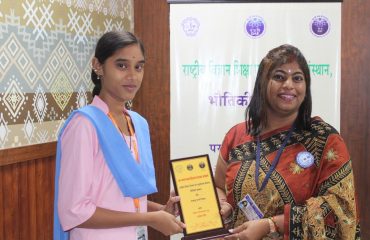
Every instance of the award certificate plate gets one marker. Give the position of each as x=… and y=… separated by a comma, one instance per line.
x=199, y=206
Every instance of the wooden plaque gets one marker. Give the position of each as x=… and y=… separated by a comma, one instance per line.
x=199, y=207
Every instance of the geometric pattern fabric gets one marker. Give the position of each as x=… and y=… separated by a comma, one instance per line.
x=46, y=49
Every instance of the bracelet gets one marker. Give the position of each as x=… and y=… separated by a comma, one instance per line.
x=272, y=225
x=229, y=219
x=276, y=226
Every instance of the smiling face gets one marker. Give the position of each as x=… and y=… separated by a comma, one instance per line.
x=121, y=74
x=286, y=91
x=282, y=92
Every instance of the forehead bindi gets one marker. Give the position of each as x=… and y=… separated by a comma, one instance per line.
x=289, y=68
x=132, y=52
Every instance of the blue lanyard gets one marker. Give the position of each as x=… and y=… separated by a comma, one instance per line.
x=274, y=163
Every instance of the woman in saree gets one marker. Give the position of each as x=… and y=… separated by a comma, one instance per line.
x=294, y=170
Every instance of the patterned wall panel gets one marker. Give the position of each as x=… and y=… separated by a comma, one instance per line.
x=46, y=48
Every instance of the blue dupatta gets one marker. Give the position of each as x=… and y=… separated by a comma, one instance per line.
x=134, y=180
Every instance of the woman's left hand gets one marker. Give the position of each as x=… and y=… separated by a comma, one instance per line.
x=251, y=230
x=172, y=204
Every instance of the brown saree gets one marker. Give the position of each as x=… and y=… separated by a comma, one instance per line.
x=318, y=202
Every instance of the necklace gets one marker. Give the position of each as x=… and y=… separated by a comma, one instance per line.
x=274, y=162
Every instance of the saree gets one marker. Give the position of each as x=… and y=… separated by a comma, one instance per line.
x=318, y=202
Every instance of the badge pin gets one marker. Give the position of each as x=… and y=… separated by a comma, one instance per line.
x=305, y=159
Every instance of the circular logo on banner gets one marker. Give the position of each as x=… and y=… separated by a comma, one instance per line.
x=190, y=26
x=320, y=26
x=255, y=26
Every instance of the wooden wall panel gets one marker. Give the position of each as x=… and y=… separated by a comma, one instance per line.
x=26, y=199
x=27, y=153
x=11, y=202
x=151, y=20
x=355, y=98
x=2, y=206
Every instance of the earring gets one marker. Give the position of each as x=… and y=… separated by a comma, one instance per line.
x=97, y=75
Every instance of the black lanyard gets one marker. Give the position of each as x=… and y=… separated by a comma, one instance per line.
x=274, y=163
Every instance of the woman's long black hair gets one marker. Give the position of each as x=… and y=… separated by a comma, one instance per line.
x=256, y=115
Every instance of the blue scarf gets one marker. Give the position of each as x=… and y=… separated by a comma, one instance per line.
x=134, y=180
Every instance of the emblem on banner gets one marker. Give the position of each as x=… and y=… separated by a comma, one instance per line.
x=320, y=26
x=255, y=26
x=190, y=26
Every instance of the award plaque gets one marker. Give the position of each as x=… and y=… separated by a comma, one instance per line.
x=199, y=206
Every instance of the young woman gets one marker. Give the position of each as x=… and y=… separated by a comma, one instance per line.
x=104, y=160
x=295, y=168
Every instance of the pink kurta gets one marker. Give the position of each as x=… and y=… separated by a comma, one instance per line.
x=86, y=183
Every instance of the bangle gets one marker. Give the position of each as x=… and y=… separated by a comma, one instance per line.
x=276, y=226
x=229, y=219
x=272, y=225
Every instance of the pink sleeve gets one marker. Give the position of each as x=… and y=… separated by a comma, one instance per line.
x=79, y=147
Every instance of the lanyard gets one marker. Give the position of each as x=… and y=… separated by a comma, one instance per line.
x=131, y=131
x=274, y=162
x=135, y=150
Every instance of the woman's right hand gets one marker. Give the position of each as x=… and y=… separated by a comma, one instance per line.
x=165, y=222
x=251, y=230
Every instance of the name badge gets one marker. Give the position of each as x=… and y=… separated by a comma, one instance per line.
x=250, y=209
x=305, y=159
x=141, y=233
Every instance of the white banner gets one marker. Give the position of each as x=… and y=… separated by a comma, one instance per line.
x=215, y=53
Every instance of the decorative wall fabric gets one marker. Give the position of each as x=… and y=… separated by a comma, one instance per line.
x=46, y=48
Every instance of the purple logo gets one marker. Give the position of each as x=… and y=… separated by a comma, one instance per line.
x=190, y=26
x=320, y=26
x=255, y=26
